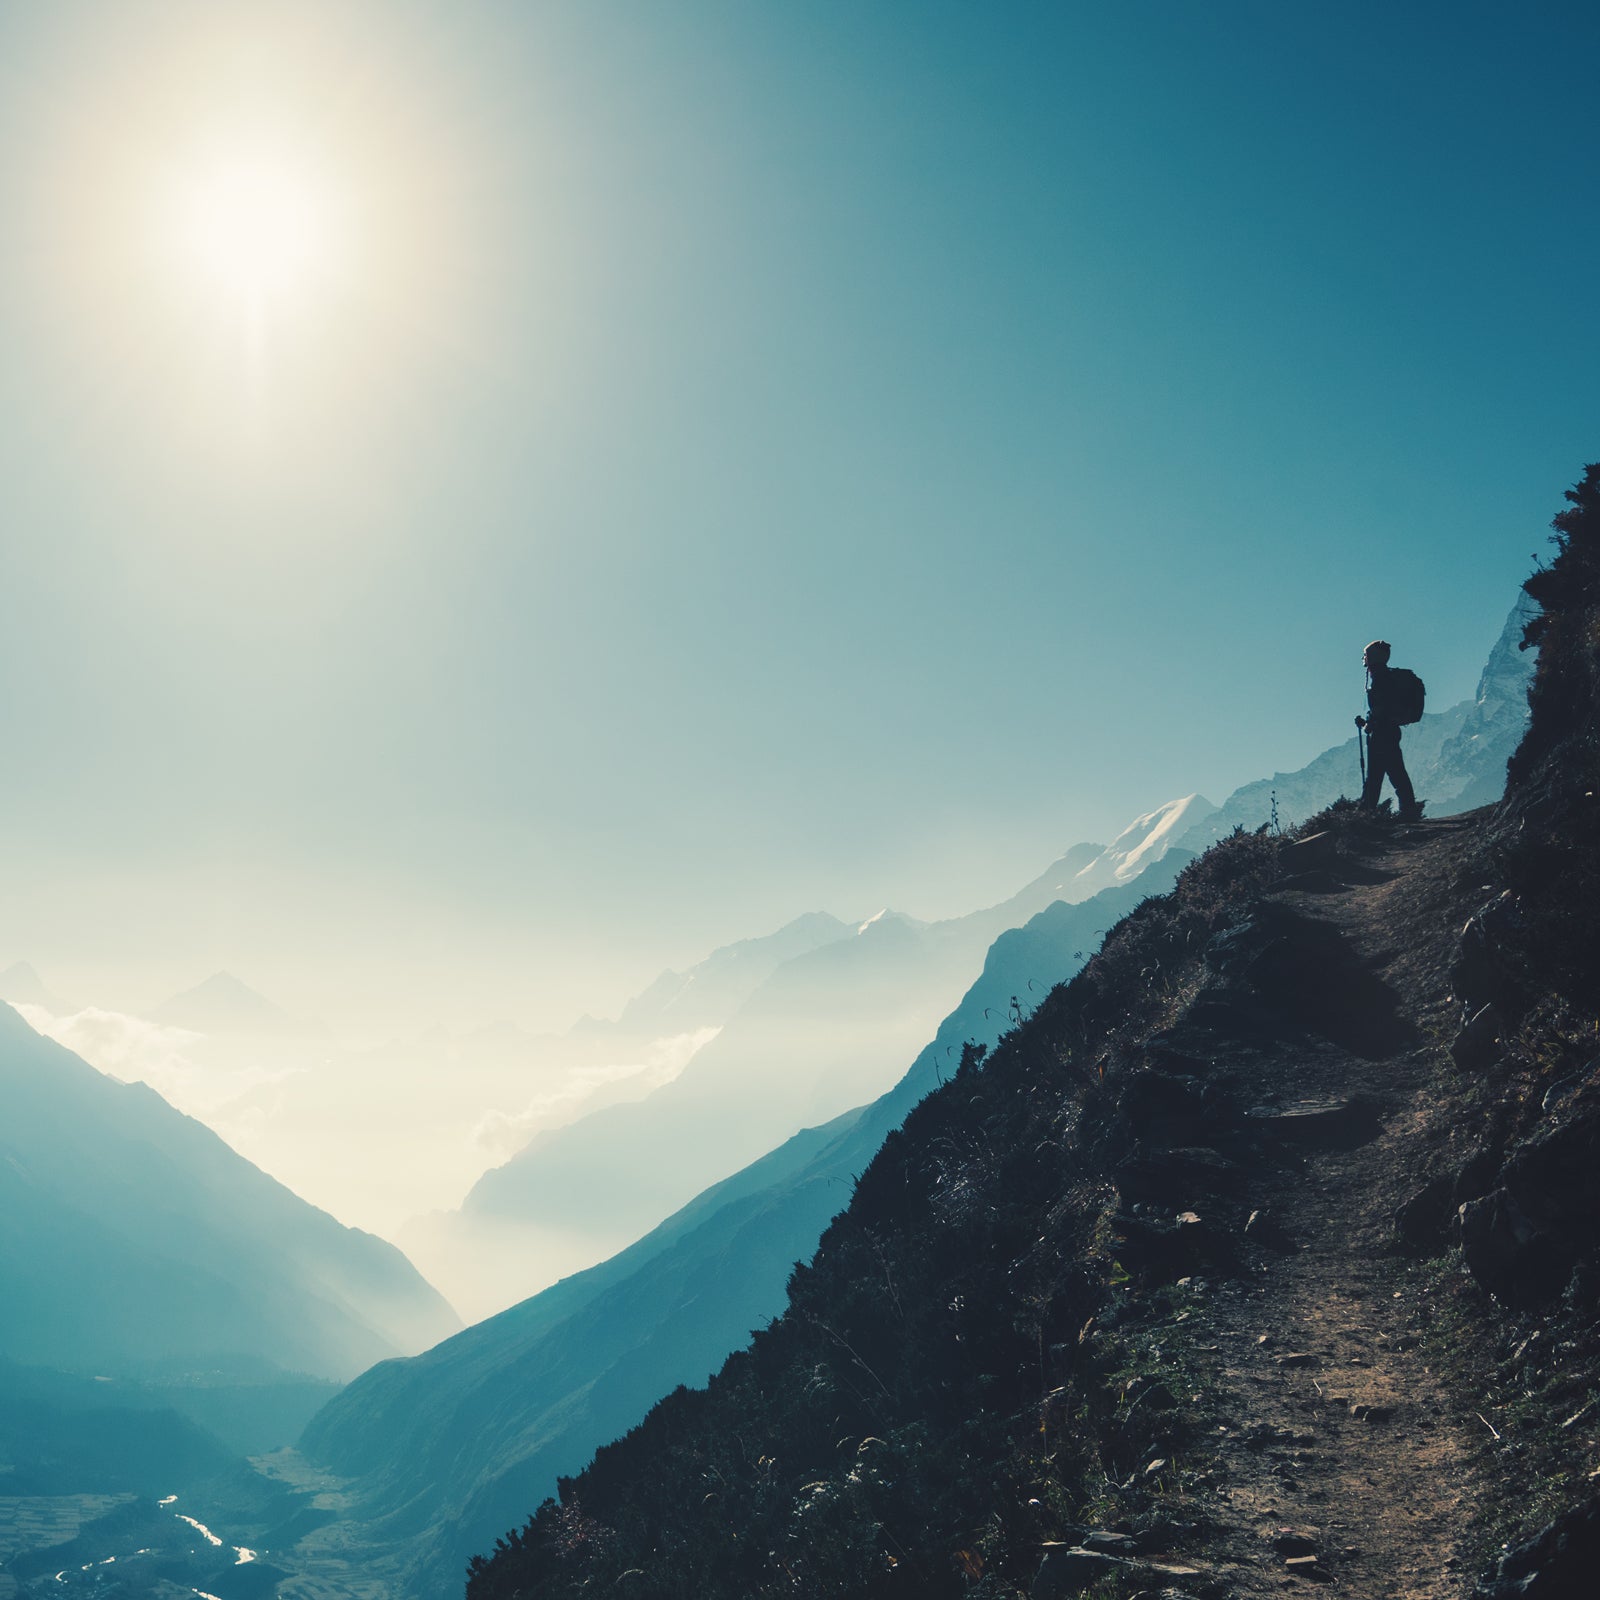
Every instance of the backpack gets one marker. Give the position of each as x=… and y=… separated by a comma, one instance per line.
x=1406, y=694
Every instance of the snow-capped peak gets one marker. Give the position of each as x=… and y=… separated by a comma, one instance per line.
x=1144, y=840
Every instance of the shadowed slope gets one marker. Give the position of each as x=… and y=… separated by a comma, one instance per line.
x=1126, y=1303
x=452, y=1445
x=130, y=1233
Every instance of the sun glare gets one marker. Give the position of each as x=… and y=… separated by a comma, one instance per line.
x=258, y=226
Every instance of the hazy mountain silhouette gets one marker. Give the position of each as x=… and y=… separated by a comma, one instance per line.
x=1164, y=1224
x=222, y=1004
x=132, y=1234
x=21, y=985
x=456, y=1436
x=462, y=1436
x=823, y=1030
x=712, y=990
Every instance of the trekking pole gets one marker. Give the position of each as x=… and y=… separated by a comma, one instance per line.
x=1361, y=751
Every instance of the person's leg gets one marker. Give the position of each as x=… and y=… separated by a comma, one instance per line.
x=1401, y=779
x=1385, y=761
x=1383, y=747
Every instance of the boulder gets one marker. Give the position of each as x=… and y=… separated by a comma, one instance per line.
x=1326, y=1124
x=1265, y=1228
x=1514, y=1255
x=1485, y=968
x=1163, y=1107
x=1315, y=850
x=1178, y=1177
x=1109, y=1542
x=1157, y=1248
x=1478, y=1046
x=1070, y=1571
x=1422, y=1224
x=1475, y=1177
x=1560, y=1562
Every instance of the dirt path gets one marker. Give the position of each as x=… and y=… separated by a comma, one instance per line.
x=1341, y=1459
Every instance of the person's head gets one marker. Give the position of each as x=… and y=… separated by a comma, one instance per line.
x=1375, y=656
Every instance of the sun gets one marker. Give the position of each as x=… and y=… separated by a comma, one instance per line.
x=257, y=225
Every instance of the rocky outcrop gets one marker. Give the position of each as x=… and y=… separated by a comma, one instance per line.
x=1560, y=1562
x=1470, y=767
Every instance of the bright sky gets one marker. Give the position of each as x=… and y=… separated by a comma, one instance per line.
x=499, y=499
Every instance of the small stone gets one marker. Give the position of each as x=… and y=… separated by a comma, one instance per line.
x=1300, y=1563
x=1108, y=1542
x=1297, y=1358
x=1068, y=1572
x=1294, y=1542
x=1366, y=1413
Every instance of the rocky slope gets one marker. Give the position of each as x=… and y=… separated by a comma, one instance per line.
x=1261, y=1254
x=831, y=1027
x=445, y=1450
x=810, y=1027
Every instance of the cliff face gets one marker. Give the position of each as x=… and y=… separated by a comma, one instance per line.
x=1471, y=763
x=1262, y=1251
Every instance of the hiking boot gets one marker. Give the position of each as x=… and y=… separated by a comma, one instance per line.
x=1412, y=812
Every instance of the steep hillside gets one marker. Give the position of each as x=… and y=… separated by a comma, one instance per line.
x=448, y=1448
x=825, y=1030
x=1262, y=1253
x=819, y=1025
x=132, y=1237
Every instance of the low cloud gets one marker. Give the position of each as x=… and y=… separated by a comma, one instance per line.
x=122, y=1046
x=501, y=1134
x=185, y=1068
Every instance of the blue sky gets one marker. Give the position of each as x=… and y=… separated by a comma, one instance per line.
x=758, y=458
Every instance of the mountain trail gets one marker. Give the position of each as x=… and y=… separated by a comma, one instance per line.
x=1341, y=1458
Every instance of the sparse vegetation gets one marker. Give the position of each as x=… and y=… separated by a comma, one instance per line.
x=995, y=1345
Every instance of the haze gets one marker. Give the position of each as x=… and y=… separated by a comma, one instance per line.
x=501, y=500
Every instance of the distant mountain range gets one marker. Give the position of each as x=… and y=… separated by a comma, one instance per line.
x=131, y=1235
x=821, y=1012
x=223, y=1004
x=21, y=985
x=451, y=1448
x=712, y=990
x=825, y=1014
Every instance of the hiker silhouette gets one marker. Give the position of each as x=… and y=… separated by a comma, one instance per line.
x=1394, y=697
